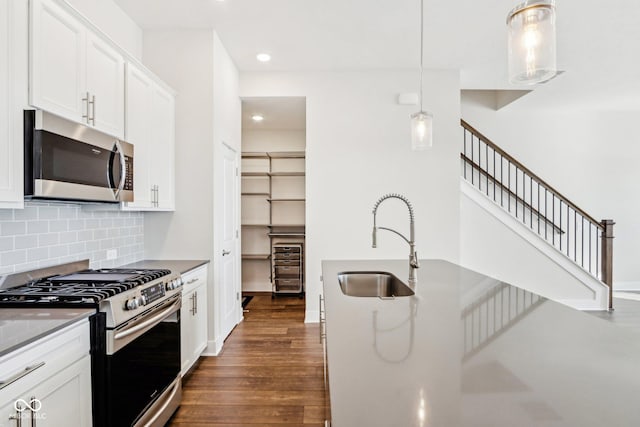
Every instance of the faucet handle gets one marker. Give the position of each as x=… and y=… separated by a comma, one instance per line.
x=414, y=260
x=373, y=237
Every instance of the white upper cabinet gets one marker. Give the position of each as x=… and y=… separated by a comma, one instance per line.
x=13, y=98
x=105, y=84
x=74, y=73
x=150, y=127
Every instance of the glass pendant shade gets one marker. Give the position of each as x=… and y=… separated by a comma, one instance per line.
x=421, y=130
x=532, y=42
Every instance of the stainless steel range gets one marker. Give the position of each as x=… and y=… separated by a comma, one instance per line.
x=135, y=334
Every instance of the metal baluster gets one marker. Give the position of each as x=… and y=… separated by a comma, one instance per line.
x=546, y=217
x=538, y=207
x=582, y=239
x=473, y=172
x=553, y=216
x=568, y=232
x=516, y=191
x=486, y=165
x=590, y=227
x=560, y=215
x=464, y=163
x=575, y=235
x=501, y=182
x=494, y=174
x=531, y=202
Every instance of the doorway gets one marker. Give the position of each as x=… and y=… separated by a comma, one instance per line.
x=273, y=196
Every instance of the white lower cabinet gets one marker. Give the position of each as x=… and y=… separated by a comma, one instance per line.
x=48, y=383
x=193, y=316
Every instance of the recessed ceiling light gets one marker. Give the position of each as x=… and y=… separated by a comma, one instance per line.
x=257, y=118
x=263, y=57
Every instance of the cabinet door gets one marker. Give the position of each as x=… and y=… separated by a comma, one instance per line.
x=186, y=331
x=65, y=398
x=162, y=143
x=139, y=90
x=200, y=321
x=13, y=45
x=105, y=84
x=58, y=52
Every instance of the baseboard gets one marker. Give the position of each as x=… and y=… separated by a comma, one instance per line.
x=312, y=316
x=212, y=348
x=626, y=286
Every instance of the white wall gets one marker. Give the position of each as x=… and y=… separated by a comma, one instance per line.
x=588, y=156
x=358, y=148
x=207, y=113
x=111, y=19
x=226, y=131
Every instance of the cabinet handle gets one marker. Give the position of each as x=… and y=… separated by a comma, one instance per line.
x=157, y=196
x=92, y=118
x=224, y=252
x=17, y=376
x=32, y=401
x=86, y=107
x=195, y=304
x=18, y=416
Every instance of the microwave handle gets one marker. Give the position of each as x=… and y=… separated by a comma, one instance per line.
x=123, y=168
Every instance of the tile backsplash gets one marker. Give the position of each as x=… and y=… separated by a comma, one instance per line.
x=44, y=234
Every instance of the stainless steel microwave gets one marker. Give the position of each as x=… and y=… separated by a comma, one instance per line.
x=64, y=160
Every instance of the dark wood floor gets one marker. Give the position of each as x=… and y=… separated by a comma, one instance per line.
x=269, y=373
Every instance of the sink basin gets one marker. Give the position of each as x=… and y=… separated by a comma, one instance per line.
x=372, y=284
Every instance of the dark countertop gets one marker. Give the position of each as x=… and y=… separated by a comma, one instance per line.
x=470, y=351
x=21, y=326
x=176, y=266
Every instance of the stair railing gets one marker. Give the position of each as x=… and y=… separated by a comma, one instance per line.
x=572, y=231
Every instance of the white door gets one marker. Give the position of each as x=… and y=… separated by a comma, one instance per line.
x=230, y=289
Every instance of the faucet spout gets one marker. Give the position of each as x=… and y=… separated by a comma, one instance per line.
x=414, y=264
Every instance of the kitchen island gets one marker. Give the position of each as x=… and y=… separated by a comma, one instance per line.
x=469, y=350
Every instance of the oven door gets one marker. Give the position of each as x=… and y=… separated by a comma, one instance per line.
x=143, y=367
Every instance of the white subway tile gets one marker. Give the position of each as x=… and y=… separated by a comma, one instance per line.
x=37, y=227
x=6, y=243
x=106, y=223
x=37, y=254
x=26, y=214
x=99, y=234
x=48, y=212
x=92, y=245
x=26, y=241
x=68, y=212
x=48, y=239
x=13, y=257
x=76, y=224
x=12, y=228
x=85, y=235
x=77, y=248
x=58, y=225
x=59, y=251
x=69, y=237
x=106, y=244
x=92, y=223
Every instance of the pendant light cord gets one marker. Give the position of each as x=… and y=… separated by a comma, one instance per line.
x=421, y=47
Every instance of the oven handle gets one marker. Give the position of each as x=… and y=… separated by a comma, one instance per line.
x=151, y=322
x=177, y=386
x=123, y=169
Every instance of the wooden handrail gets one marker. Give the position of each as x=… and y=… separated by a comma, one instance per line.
x=537, y=213
x=520, y=166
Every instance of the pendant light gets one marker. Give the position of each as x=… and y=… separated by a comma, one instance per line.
x=422, y=121
x=532, y=42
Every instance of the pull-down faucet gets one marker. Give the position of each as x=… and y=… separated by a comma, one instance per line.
x=413, y=255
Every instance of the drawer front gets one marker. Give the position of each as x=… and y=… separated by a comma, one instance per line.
x=194, y=278
x=291, y=249
x=287, y=271
x=286, y=255
x=287, y=262
x=284, y=285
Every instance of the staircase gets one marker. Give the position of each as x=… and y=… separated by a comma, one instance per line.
x=548, y=215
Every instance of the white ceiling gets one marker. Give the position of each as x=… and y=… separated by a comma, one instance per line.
x=598, y=41
x=282, y=113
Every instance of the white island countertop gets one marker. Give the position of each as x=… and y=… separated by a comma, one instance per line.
x=469, y=350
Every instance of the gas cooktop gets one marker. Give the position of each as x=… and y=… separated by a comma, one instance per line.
x=87, y=287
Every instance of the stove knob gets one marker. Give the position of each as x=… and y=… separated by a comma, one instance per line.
x=142, y=301
x=170, y=285
x=132, y=304
x=179, y=279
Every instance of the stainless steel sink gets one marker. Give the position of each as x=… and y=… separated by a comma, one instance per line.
x=372, y=284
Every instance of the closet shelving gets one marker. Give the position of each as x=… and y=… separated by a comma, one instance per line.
x=273, y=206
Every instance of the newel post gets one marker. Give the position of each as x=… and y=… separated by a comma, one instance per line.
x=607, y=256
